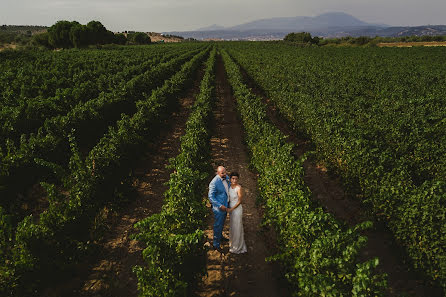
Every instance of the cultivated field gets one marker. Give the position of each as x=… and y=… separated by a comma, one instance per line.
x=411, y=44
x=106, y=155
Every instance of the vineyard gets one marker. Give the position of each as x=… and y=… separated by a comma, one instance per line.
x=76, y=127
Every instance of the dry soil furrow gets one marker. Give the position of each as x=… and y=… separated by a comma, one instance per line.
x=228, y=274
x=109, y=272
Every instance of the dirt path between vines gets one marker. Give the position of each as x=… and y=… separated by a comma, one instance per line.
x=229, y=274
x=328, y=190
x=110, y=272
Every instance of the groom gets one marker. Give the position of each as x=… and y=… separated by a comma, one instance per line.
x=218, y=195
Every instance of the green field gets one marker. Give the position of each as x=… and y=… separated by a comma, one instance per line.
x=74, y=122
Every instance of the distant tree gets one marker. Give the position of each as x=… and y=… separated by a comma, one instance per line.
x=413, y=38
x=302, y=37
x=120, y=39
x=139, y=38
x=427, y=38
x=98, y=33
x=361, y=40
x=79, y=36
x=172, y=36
x=41, y=39
x=7, y=37
x=65, y=34
x=21, y=39
x=59, y=34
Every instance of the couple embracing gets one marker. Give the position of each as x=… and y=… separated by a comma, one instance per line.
x=225, y=195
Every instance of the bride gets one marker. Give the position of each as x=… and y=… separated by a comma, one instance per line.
x=237, y=241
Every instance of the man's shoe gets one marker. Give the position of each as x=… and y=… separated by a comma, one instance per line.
x=224, y=239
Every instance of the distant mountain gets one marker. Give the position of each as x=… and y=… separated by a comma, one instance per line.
x=384, y=32
x=412, y=31
x=303, y=23
x=334, y=24
x=213, y=27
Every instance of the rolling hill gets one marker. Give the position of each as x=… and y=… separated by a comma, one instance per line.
x=334, y=24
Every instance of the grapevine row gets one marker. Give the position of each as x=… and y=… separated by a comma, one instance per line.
x=30, y=113
x=376, y=116
x=53, y=241
x=32, y=74
x=174, y=238
x=319, y=255
x=51, y=144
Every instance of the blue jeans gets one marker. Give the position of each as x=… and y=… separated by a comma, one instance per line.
x=219, y=221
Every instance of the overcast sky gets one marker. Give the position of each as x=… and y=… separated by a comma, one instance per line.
x=182, y=15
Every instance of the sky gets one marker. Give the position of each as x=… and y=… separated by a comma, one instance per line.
x=183, y=15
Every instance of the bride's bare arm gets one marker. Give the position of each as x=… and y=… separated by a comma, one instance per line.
x=240, y=198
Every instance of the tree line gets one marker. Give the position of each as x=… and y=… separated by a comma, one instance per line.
x=66, y=34
x=307, y=39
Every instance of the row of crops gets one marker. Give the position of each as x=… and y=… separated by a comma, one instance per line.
x=318, y=253
x=378, y=118
x=174, y=238
x=76, y=121
x=79, y=136
x=45, y=88
x=50, y=134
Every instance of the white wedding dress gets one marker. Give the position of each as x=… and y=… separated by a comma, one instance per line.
x=236, y=237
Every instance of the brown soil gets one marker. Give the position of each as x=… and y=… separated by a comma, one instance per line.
x=327, y=189
x=228, y=274
x=109, y=272
x=8, y=46
x=156, y=37
x=33, y=201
